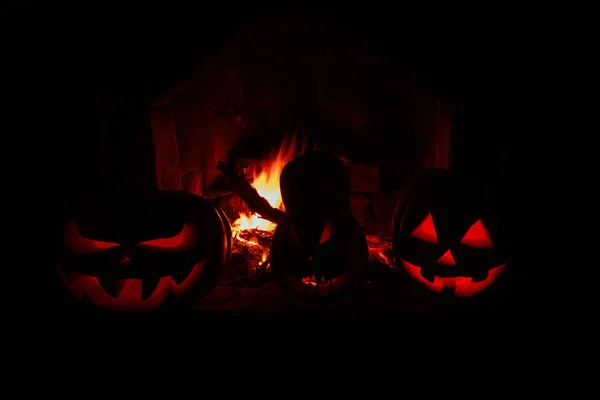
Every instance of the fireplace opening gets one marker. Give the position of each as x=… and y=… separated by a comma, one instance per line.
x=252, y=234
x=273, y=91
x=387, y=102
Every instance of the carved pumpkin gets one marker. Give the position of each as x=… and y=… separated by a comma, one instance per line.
x=319, y=251
x=329, y=270
x=446, y=234
x=125, y=252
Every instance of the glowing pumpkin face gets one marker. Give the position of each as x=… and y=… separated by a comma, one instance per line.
x=142, y=252
x=446, y=235
x=321, y=263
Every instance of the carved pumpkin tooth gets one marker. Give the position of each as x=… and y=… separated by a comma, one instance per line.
x=109, y=284
x=149, y=285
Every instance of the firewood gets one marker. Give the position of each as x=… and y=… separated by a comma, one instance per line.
x=250, y=196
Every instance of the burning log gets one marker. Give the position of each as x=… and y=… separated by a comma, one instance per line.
x=250, y=195
x=252, y=233
x=254, y=245
x=256, y=237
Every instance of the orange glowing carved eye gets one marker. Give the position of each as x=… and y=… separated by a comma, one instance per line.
x=78, y=244
x=477, y=236
x=178, y=242
x=327, y=233
x=426, y=231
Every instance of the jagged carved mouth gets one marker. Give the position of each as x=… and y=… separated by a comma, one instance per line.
x=312, y=285
x=119, y=292
x=461, y=286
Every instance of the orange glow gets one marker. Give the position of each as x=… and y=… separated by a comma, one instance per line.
x=462, y=286
x=186, y=237
x=165, y=242
x=311, y=280
x=477, y=236
x=78, y=244
x=130, y=294
x=426, y=231
x=447, y=259
x=266, y=182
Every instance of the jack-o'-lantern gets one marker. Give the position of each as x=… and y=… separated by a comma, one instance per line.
x=318, y=253
x=142, y=252
x=326, y=270
x=447, y=234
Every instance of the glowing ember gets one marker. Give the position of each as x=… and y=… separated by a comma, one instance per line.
x=380, y=250
x=266, y=182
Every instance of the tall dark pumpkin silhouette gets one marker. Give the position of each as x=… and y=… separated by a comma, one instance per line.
x=319, y=252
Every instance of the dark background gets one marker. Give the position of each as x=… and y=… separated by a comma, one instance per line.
x=116, y=67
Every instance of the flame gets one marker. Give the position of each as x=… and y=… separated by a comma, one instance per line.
x=266, y=182
x=263, y=259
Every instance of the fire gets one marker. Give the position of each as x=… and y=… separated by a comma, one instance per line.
x=266, y=182
x=252, y=234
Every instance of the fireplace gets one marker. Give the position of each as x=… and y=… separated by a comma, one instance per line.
x=276, y=89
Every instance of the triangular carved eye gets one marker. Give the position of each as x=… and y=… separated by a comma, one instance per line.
x=327, y=233
x=477, y=236
x=426, y=231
